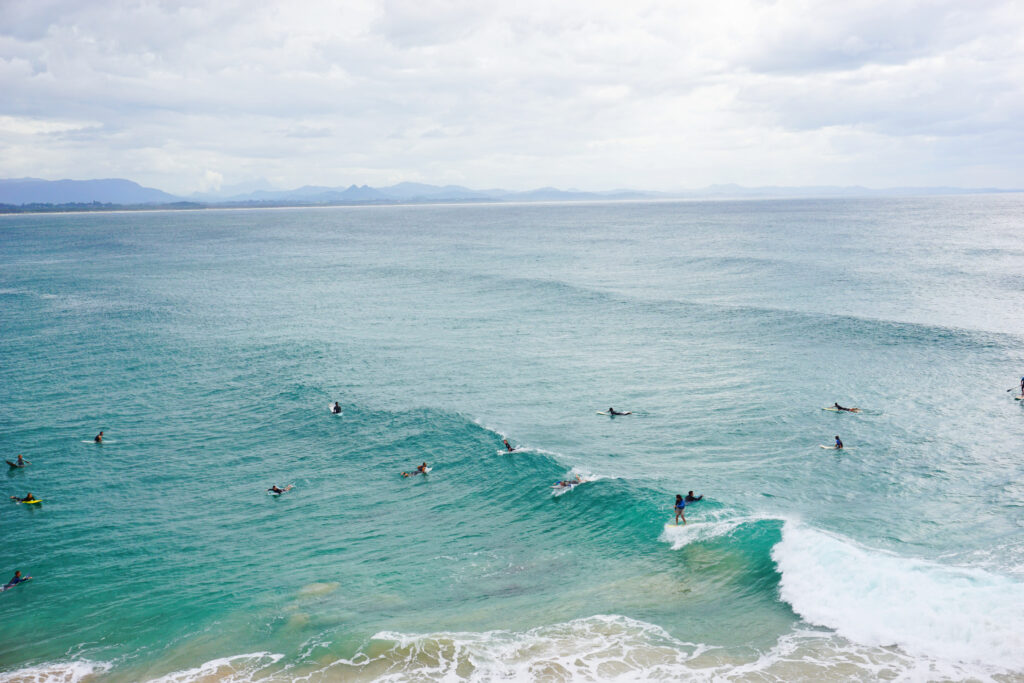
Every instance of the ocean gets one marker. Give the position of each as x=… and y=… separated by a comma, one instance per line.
x=207, y=346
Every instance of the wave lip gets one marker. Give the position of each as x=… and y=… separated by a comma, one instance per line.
x=876, y=598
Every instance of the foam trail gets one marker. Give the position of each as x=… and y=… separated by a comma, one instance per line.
x=696, y=530
x=236, y=669
x=874, y=598
x=57, y=672
x=595, y=648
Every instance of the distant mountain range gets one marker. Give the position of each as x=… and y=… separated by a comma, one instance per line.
x=35, y=194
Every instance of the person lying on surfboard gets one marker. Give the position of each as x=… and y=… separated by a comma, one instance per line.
x=27, y=499
x=422, y=468
x=849, y=410
x=612, y=411
x=568, y=483
x=690, y=498
x=276, y=489
x=18, y=578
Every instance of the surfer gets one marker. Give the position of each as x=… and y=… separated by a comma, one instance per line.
x=336, y=409
x=849, y=410
x=508, y=446
x=569, y=483
x=20, y=463
x=275, y=489
x=18, y=578
x=27, y=499
x=680, y=507
x=422, y=468
x=690, y=498
x=99, y=438
x=839, y=443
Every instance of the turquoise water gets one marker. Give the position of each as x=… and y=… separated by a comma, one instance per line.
x=207, y=346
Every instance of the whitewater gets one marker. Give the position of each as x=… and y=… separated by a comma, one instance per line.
x=207, y=344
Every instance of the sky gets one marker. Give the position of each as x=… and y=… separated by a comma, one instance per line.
x=224, y=95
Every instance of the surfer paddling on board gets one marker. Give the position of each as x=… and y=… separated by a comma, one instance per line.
x=277, y=490
x=848, y=410
x=422, y=469
x=680, y=508
x=27, y=499
x=690, y=498
x=839, y=444
x=18, y=578
x=99, y=438
x=568, y=483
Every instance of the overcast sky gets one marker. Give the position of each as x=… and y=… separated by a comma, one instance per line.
x=188, y=96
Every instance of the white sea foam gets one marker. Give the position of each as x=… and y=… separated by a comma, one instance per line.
x=617, y=648
x=57, y=672
x=595, y=648
x=236, y=669
x=878, y=599
x=699, y=529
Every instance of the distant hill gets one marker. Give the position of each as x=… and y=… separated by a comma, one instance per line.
x=19, y=191
x=32, y=194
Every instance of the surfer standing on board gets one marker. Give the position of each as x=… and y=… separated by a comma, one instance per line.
x=680, y=507
x=508, y=445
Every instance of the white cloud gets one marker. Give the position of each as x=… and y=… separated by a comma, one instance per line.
x=658, y=95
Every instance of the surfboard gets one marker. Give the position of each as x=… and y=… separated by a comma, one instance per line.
x=830, y=448
x=848, y=410
x=30, y=502
x=330, y=408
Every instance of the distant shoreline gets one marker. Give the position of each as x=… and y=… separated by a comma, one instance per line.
x=100, y=207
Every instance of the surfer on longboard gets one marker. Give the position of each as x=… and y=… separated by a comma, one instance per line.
x=839, y=443
x=99, y=438
x=848, y=410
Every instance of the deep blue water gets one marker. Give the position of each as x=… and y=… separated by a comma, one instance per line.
x=207, y=346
